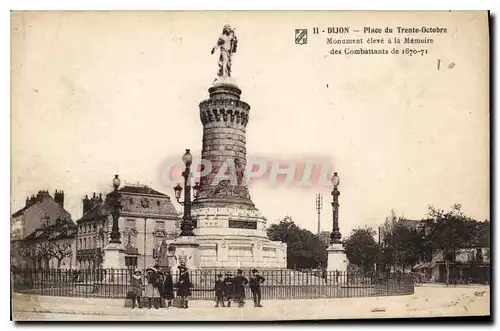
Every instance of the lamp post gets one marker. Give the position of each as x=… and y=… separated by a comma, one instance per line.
x=187, y=223
x=335, y=236
x=145, y=205
x=115, y=213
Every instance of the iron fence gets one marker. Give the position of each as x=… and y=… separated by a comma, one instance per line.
x=279, y=284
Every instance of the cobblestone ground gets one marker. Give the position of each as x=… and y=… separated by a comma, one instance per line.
x=427, y=301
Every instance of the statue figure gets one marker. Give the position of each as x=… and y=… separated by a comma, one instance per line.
x=227, y=44
x=162, y=254
x=240, y=169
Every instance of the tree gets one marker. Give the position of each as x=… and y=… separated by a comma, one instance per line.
x=449, y=232
x=361, y=248
x=304, y=249
x=60, y=251
x=405, y=245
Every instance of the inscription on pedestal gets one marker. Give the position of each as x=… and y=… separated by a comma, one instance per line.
x=243, y=224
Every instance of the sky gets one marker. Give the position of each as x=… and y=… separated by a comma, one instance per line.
x=98, y=94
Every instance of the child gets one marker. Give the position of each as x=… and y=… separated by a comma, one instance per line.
x=219, y=291
x=152, y=292
x=184, y=286
x=137, y=286
x=255, y=281
x=228, y=288
x=168, y=287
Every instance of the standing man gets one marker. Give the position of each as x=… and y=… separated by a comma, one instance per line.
x=239, y=282
x=228, y=288
x=255, y=281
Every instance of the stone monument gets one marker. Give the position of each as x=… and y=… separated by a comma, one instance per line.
x=337, y=258
x=229, y=229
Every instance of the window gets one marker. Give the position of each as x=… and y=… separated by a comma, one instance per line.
x=160, y=225
x=130, y=223
x=85, y=243
x=131, y=201
x=158, y=203
x=158, y=241
x=80, y=243
x=94, y=242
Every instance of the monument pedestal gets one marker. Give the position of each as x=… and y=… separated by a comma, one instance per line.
x=186, y=249
x=114, y=257
x=337, y=258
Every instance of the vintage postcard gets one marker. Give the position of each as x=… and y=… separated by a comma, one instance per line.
x=188, y=166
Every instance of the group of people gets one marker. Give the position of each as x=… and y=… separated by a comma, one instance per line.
x=232, y=288
x=159, y=284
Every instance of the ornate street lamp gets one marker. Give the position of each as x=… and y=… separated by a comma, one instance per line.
x=115, y=211
x=187, y=223
x=335, y=236
x=145, y=205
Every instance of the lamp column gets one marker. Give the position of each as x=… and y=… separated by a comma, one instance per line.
x=114, y=257
x=186, y=245
x=337, y=258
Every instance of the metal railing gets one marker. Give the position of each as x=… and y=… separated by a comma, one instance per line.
x=279, y=284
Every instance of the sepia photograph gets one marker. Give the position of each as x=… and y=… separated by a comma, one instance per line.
x=249, y=165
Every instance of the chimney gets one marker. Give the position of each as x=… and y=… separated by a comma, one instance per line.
x=86, y=204
x=59, y=198
x=27, y=201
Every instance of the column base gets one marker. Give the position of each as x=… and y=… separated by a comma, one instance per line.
x=186, y=251
x=114, y=256
x=337, y=258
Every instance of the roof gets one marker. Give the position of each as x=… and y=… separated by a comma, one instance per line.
x=141, y=190
x=102, y=210
x=98, y=211
x=22, y=210
x=62, y=229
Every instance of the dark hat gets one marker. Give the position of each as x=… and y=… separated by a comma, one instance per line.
x=228, y=273
x=181, y=267
x=254, y=271
x=219, y=275
x=240, y=271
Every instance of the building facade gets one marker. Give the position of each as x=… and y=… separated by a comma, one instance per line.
x=42, y=232
x=147, y=218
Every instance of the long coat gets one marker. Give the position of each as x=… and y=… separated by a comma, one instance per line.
x=168, y=287
x=228, y=287
x=136, y=283
x=239, y=283
x=183, y=286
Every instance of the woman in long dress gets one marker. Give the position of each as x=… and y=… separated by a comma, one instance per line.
x=151, y=291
